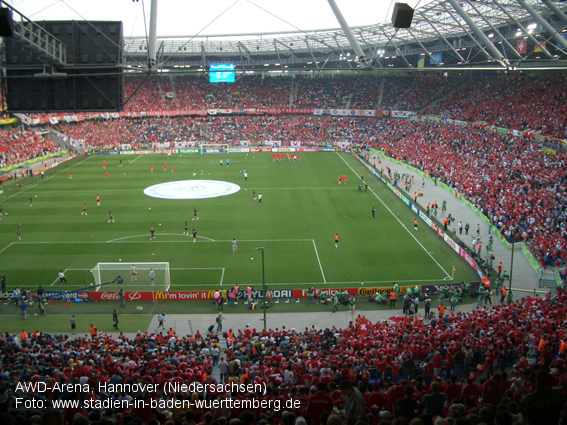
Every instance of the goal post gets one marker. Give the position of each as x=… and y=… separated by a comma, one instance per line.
x=139, y=274
x=214, y=148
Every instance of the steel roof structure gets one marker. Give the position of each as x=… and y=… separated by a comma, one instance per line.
x=448, y=34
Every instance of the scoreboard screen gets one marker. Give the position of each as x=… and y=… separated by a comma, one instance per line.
x=221, y=73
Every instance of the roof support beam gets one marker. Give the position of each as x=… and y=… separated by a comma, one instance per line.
x=442, y=37
x=510, y=47
x=476, y=30
x=524, y=30
x=342, y=51
x=474, y=40
x=241, y=57
x=311, y=53
x=545, y=25
x=423, y=47
x=556, y=10
x=375, y=56
x=278, y=52
x=399, y=52
x=349, y=35
x=203, y=55
x=152, y=41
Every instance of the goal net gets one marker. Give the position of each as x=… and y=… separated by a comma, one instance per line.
x=214, y=148
x=139, y=274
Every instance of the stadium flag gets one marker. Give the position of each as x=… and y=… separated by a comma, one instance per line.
x=364, y=326
x=539, y=46
x=53, y=120
x=435, y=57
x=421, y=62
x=521, y=46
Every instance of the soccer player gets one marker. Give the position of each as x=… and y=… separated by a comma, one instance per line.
x=152, y=168
x=194, y=236
x=172, y=168
x=133, y=273
x=69, y=173
x=220, y=162
x=227, y=162
x=373, y=212
x=110, y=218
x=340, y=178
x=254, y=195
x=31, y=201
x=234, y=247
x=19, y=232
x=98, y=200
x=336, y=240
x=415, y=224
x=62, y=277
x=361, y=176
x=152, y=276
x=106, y=175
x=186, y=231
x=152, y=234
x=84, y=210
x=259, y=198
x=344, y=179
x=104, y=165
x=195, y=216
x=164, y=166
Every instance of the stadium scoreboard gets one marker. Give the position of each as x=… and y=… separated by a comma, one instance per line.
x=221, y=72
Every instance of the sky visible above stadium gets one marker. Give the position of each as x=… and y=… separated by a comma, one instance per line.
x=192, y=17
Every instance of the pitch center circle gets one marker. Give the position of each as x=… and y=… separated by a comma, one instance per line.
x=191, y=189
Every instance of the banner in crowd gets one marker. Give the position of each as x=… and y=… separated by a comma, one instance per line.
x=346, y=112
x=54, y=119
x=400, y=114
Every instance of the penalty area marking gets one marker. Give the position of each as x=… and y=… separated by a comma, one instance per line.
x=399, y=221
x=131, y=162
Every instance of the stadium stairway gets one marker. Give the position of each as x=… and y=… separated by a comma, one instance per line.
x=524, y=278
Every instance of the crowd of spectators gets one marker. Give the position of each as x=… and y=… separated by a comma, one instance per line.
x=517, y=186
x=516, y=102
x=18, y=145
x=490, y=366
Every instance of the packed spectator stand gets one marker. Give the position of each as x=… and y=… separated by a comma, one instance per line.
x=484, y=366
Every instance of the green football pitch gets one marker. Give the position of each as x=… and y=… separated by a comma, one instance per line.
x=303, y=207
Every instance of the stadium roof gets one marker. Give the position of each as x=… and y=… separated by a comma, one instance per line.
x=447, y=34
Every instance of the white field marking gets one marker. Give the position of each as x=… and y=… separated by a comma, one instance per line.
x=6, y=247
x=171, y=268
x=161, y=234
x=180, y=155
x=366, y=282
x=319, y=261
x=399, y=221
x=222, y=277
x=64, y=271
x=130, y=162
x=175, y=241
x=47, y=178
